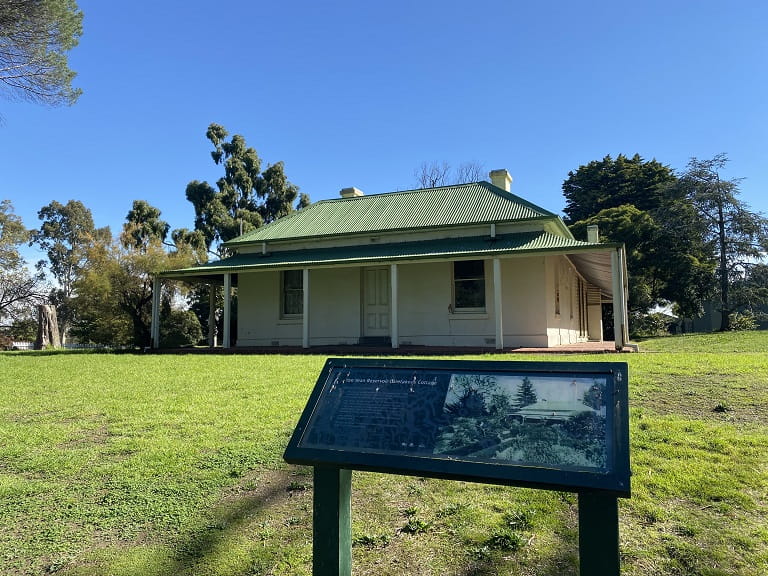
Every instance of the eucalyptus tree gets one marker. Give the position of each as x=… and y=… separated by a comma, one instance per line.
x=245, y=197
x=65, y=234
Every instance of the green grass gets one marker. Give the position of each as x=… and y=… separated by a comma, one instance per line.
x=143, y=465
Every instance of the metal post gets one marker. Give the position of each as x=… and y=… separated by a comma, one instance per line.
x=332, y=522
x=598, y=535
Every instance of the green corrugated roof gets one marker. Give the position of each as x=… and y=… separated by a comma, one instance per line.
x=474, y=203
x=475, y=247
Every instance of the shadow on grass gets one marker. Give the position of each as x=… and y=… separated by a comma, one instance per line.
x=256, y=531
x=563, y=562
x=234, y=523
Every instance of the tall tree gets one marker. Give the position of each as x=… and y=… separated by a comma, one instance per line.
x=35, y=36
x=20, y=289
x=66, y=232
x=245, y=197
x=638, y=231
x=143, y=227
x=114, y=294
x=738, y=236
x=640, y=204
x=610, y=183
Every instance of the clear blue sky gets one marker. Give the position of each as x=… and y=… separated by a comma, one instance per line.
x=361, y=93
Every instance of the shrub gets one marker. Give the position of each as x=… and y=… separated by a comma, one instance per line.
x=742, y=321
x=181, y=328
x=650, y=325
x=5, y=342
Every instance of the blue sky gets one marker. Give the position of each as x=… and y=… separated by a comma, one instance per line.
x=361, y=93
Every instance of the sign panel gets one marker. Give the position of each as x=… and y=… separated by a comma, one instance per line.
x=542, y=424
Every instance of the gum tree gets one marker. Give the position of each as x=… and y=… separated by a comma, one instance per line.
x=245, y=197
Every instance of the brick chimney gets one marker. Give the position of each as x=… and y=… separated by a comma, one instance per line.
x=501, y=179
x=351, y=192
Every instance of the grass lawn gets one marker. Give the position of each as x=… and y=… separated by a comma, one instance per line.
x=152, y=465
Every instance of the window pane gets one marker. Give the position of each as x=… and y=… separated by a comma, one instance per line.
x=469, y=284
x=293, y=302
x=470, y=294
x=293, y=293
x=292, y=279
x=468, y=269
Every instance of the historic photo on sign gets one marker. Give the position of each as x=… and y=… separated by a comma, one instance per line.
x=526, y=419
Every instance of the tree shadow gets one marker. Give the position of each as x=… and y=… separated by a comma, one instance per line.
x=560, y=559
x=234, y=515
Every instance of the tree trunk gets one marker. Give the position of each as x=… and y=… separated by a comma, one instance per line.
x=725, y=306
x=47, y=328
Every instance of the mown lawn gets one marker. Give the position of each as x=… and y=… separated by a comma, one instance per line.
x=161, y=465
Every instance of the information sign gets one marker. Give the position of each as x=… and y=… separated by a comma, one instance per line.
x=548, y=425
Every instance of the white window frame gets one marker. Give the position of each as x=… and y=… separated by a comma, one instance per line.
x=284, y=292
x=481, y=278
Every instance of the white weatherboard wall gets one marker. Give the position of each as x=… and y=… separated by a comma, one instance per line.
x=525, y=303
x=562, y=328
x=334, y=316
x=425, y=299
x=334, y=307
x=258, y=312
x=425, y=293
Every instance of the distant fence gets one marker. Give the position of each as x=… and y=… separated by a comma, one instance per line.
x=23, y=345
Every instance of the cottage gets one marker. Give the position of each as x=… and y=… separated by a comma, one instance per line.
x=463, y=265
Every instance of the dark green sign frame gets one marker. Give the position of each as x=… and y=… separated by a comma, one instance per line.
x=547, y=425
x=469, y=420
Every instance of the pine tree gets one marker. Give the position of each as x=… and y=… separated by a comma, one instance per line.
x=526, y=395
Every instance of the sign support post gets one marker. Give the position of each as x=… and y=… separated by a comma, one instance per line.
x=598, y=534
x=332, y=522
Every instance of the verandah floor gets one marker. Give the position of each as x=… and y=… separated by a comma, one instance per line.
x=348, y=350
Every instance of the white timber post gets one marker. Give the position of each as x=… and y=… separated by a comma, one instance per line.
x=394, y=332
x=305, y=309
x=625, y=294
x=498, y=304
x=154, y=333
x=225, y=338
x=212, y=315
x=617, y=269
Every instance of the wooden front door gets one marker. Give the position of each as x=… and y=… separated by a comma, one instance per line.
x=376, y=302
